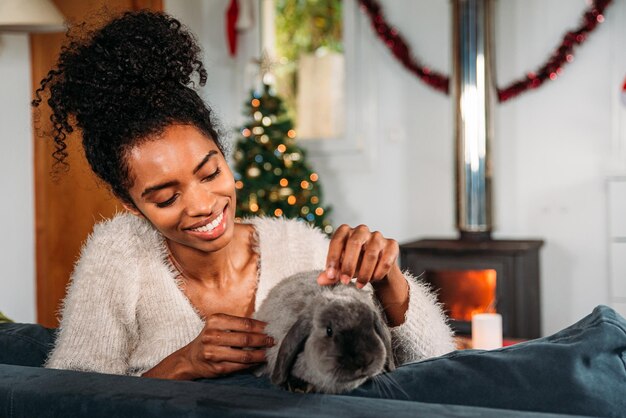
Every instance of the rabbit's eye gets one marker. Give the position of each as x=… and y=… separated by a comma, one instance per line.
x=329, y=331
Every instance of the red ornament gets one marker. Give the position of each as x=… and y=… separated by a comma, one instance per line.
x=232, y=14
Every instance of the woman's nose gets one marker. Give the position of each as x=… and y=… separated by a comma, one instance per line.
x=199, y=201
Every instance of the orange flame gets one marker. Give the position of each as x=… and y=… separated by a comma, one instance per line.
x=465, y=292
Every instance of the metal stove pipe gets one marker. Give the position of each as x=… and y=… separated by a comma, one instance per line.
x=474, y=93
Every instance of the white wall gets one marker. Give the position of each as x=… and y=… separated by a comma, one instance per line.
x=17, y=252
x=227, y=86
x=552, y=147
x=552, y=154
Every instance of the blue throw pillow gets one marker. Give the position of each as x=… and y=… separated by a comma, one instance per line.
x=25, y=344
x=579, y=370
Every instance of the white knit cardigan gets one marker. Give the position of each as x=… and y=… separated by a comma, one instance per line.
x=125, y=311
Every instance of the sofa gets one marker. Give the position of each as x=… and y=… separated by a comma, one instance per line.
x=579, y=371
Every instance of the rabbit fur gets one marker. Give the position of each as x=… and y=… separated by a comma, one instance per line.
x=330, y=338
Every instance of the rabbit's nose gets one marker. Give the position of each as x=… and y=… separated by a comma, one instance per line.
x=353, y=362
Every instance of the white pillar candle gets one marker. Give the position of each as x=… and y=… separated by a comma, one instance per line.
x=487, y=331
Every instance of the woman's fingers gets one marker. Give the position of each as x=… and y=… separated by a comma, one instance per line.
x=227, y=344
x=232, y=343
x=369, y=260
x=372, y=252
x=352, y=252
x=335, y=251
x=357, y=252
x=227, y=322
x=220, y=354
x=226, y=367
x=324, y=280
x=236, y=339
x=387, y=260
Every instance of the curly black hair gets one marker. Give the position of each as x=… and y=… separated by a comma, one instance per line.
x=123, y=84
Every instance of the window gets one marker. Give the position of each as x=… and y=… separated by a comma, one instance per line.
x=310, y=64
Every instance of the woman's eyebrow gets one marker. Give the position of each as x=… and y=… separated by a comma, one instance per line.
x=204, y=160
x=175, y=183
x=159, y=187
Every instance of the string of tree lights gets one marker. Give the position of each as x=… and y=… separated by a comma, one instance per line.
x=272, y=175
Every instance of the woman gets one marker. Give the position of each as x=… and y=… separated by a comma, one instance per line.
x=168, y=289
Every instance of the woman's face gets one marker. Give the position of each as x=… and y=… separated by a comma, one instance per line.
x=184, y=187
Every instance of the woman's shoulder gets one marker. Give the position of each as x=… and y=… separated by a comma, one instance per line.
x=124, y=232
x=287, y=231
x=290, y=245
x=110, y=264
x=118, y=246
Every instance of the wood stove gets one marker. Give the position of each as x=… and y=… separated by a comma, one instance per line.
x=473, y=276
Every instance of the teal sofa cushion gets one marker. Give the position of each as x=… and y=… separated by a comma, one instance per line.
x=25, y=344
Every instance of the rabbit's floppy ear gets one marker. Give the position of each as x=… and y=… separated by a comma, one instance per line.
x=385, y=336
x=290, y=347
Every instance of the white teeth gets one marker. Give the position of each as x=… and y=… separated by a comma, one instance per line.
x=210, y=226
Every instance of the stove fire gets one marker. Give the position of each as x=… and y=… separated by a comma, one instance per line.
x=465, y=292
x=488, y=276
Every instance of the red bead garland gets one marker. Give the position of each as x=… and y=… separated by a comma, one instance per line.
x=549, y=71
x=396, y=43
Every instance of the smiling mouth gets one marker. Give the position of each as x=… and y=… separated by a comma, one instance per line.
x=210, y=226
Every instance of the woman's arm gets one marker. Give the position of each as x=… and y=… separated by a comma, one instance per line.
x=98, y=327
x=393, y=295
x=417, y=323
x=227, y=344
x=425, y=331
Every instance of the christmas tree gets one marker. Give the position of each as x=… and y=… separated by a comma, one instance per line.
x=271, y=173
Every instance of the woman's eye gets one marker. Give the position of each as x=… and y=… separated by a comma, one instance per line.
x=212, y=175
x=168, y=202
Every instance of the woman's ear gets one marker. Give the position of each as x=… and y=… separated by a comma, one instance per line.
x=133, y=209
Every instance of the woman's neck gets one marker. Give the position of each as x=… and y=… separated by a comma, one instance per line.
x=217, y=268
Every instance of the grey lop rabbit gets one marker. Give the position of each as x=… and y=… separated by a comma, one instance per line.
x=330, y=339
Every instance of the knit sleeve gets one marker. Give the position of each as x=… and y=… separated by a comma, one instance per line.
x=424, y=332
x=97, y=329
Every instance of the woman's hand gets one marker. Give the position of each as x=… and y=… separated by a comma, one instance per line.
x=227, y=344
x=358, y=252
x=371, y=258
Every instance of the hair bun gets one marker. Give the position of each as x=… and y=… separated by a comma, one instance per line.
x=146, y=48
x=121, y=65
